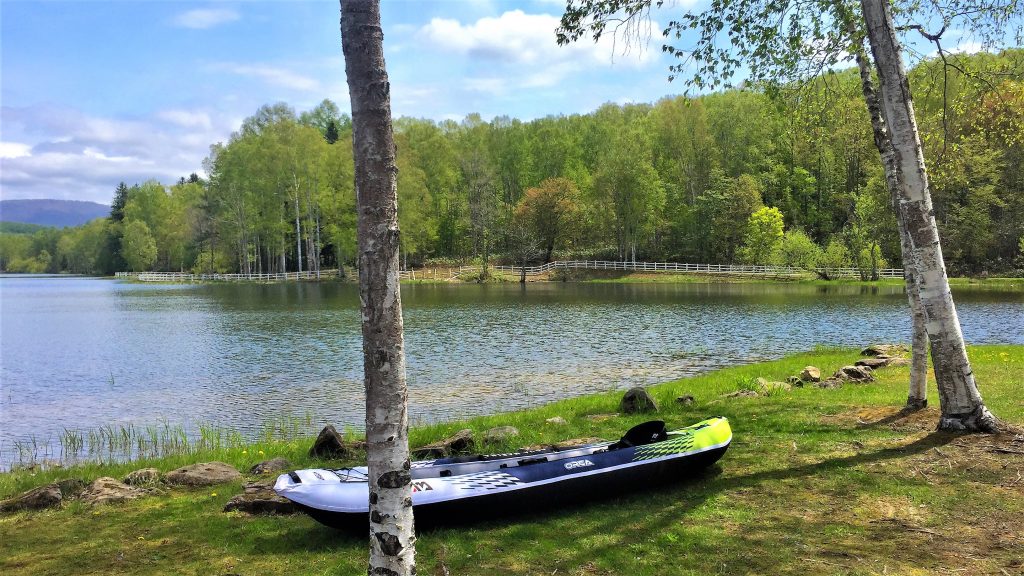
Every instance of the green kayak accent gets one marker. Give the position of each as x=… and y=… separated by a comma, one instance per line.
x=701, y=436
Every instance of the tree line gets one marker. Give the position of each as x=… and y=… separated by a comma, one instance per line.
x=754, y=175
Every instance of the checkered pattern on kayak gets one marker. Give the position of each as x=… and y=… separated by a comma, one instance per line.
x=675, y=444
x=484, y=481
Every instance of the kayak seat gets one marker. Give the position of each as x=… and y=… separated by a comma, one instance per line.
x=646, y=433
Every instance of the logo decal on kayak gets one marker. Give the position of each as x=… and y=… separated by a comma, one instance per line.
x=578, y=464
x=420, y=487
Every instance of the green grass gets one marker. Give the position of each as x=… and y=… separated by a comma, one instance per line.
x=816, y=482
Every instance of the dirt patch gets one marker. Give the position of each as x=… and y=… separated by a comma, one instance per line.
x=891, y=416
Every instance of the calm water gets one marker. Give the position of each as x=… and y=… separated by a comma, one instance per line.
x=80, y=353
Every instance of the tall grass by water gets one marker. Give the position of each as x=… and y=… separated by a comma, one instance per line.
x=129, y=442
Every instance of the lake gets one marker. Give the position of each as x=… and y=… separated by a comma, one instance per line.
x=80, y=353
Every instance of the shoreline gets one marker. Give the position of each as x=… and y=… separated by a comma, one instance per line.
x=810, y=471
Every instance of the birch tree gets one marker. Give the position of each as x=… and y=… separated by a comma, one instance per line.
x=392, y=538
x=776, y=41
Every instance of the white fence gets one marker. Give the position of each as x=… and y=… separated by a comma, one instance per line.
x=673, y=267
x=187, y=277
x=449, y=273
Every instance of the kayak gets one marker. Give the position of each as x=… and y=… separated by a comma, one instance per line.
x=450, y=490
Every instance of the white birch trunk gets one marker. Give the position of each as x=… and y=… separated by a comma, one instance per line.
x=917, y=396
x=959, y=399
x=392, y=538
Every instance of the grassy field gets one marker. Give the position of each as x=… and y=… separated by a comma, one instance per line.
x=816, y=482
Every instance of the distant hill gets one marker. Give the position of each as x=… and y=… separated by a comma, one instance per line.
x=59, y=213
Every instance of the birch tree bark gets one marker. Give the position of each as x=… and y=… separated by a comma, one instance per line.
x=917, y=396
x=392, y=538
x=959, y=399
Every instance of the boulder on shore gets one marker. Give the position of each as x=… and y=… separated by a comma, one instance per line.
x=260, y=498
x=637, y=400
x=885, y=350
x=142, y=477
x=50, y=496
x=461, y=441
x=329, y=444
x=203, y=474
x=273, y=465
x=874, y=362
x=854, y=374
x=685, y=399
x=810, y=374
x=500, y=434
x=557, y=420
x=106, y=490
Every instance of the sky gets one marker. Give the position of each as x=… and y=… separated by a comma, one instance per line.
x=96, y=92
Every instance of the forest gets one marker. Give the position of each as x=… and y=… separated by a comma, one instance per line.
x=750, y=175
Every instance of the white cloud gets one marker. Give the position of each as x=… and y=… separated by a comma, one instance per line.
x=186, y=118
x=524, y=47
x=14, y=150
x=64, y=153
x=523, y=38
x=203, y=18
x=275, y=76
x=967, y=47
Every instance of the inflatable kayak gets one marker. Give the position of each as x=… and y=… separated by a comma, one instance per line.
x=471, y=487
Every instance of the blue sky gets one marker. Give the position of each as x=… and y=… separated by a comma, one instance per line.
x=98, y=92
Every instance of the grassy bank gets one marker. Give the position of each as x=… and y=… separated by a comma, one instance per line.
x=816, y=482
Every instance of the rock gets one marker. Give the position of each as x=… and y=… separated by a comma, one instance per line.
x=557, y=420
x=885, y=350
x=260, y=499
x=204, y=474
x=637, y=400
x=875, y=362
x=795, y=381
x=742, y=394
x=685, y=399
x=829, y=383
x=142, y=477
x=48, y=496
x=854, y=374
x=272, y=465
x=810, y=374
x=765, y=388
x=500, y=434
x=329, y=444
x=107, y=490
x=600, y=417
x=461, y=441
x=899, y=362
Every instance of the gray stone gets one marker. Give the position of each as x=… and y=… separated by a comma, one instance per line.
x=575, y=443
x=203, y=474
x=329, y=444
x=272, y=465
x=106, y=490
x=885, y=350
x=260, y=498
x=461, y=441
x=600, y=417
x=854, y=374
x=557, y=420
x=500, y=434
x=742, y=394
x=142, y=477
x=829, y=383
x=637, y=400
x=810, y=374
x=765, y=388
x=685, y=399
x=874, y=362
x=48, y=496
